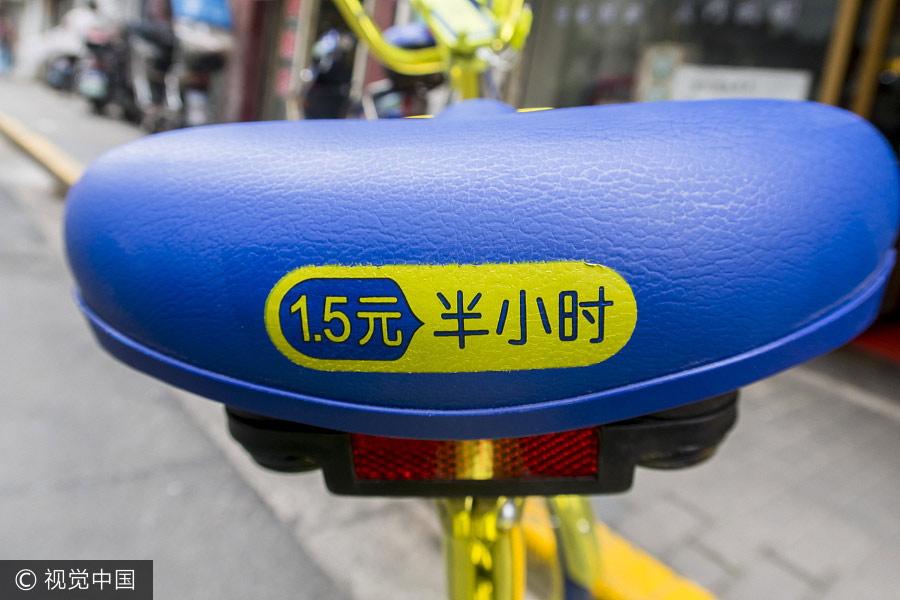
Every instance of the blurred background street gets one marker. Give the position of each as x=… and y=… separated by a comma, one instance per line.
x=800, y=503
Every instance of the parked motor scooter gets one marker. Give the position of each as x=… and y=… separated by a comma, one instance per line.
x=59, y=72
x=103, y=73
x=150, y=57
x=55, y=53
x=201, y=52
x=326, y=94
x=171, y=72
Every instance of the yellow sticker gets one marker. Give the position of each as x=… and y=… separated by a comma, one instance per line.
x=450, y=318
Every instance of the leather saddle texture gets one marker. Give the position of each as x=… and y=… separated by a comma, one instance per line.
x=750, y=235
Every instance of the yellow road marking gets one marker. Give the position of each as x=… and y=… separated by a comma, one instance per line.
x=628, y=572
x=62, y=166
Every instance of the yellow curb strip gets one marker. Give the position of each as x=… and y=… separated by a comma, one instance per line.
x=628, y=573
x=58, y=163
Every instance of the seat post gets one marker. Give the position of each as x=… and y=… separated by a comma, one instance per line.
x=484, y=548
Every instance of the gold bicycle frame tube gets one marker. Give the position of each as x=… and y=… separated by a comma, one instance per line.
x=465, y=82
x=484, y=545
x=577, y=534
x=483, y=542
x=484, y=548
x=454, y=53
x=484, y=539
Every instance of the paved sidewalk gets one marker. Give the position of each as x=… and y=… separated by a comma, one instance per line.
x=802, y=501
x=63, y=118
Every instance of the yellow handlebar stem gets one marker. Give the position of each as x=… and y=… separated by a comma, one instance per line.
x=517, y=26
x=510, y=21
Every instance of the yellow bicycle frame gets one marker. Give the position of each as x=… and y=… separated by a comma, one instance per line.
x=467, y=36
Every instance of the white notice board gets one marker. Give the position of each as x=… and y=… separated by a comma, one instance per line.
x=700, y=82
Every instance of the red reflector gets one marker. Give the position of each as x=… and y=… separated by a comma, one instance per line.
x=568, y=454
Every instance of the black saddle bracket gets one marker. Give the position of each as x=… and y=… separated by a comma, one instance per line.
x=671, y=439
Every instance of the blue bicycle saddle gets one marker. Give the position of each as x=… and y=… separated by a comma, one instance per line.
x=509, y=275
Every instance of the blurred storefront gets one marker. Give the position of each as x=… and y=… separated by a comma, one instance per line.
x=603, y=51
x=626, y=50
x=585, y=51
x=33, y=17
x=842, y=52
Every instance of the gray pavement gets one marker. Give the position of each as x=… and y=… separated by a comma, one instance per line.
x=802, y=501
x=64, y=119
